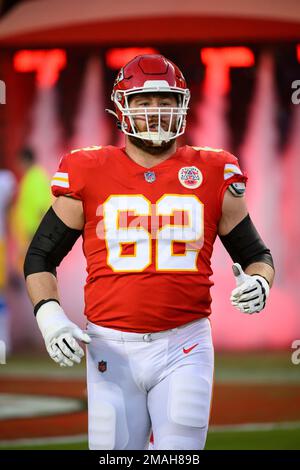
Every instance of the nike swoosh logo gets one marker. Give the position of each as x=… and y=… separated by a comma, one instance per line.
x=186, y=351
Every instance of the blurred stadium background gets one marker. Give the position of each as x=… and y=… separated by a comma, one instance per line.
x=58, y=61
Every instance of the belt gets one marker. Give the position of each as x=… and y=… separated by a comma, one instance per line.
x=127, y=336
x=96, y=331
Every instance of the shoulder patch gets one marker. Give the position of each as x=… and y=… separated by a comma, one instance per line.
x=237, y=189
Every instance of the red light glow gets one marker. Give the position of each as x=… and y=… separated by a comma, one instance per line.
x=218, y=62
x=46, y=63
x=117, y=57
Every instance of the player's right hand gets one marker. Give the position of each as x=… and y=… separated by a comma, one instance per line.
x=60, y=334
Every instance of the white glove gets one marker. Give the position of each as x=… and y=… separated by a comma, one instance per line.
x=59, y=334
x=251, y=292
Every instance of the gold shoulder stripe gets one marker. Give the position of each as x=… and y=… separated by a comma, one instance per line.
x=208, y=148
x=93, y=147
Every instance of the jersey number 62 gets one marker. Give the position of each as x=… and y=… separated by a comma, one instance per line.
x=190, y=233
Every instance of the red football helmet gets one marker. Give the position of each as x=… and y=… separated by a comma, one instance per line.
x=151, y=74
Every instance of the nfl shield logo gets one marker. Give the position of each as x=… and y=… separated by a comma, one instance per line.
x=102, y=366
x=149, y=176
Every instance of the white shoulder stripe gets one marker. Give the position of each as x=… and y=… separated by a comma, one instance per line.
x=60, y=174
x=62, y=184
x=230, y=169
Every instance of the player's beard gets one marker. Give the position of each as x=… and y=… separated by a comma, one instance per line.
x=149, y=147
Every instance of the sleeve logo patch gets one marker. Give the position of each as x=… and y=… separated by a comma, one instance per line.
x=190, y=177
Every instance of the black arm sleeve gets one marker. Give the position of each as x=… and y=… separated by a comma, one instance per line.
x=245, y=246
x=51, y=243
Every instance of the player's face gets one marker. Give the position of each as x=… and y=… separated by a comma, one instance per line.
x=158, y=100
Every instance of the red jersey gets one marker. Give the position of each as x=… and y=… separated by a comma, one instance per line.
x=148, y=233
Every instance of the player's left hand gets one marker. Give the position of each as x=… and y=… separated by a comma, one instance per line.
x=251, y=292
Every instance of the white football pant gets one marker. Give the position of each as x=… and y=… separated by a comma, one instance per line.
x=161, y=381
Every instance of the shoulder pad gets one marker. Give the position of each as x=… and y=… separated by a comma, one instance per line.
x=237, y=189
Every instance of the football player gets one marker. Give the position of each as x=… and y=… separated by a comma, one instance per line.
x=149, y=214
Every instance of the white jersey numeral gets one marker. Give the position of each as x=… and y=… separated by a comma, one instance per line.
x=115, y=235
x=190, y=232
